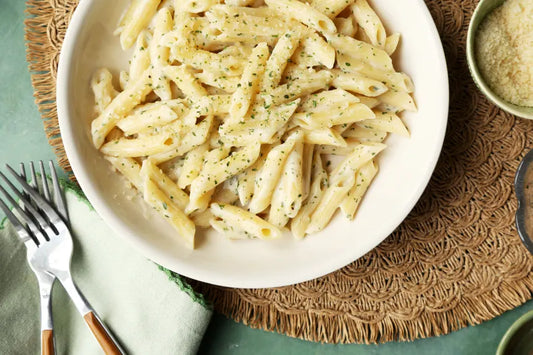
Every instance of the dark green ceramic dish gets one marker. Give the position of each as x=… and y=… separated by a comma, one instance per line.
x=518, y=340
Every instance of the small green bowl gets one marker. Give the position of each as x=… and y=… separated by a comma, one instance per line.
x=483, y=8
x=518, y=340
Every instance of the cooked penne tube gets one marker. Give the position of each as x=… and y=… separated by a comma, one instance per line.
x=159, y=55
x=223, y=63
x=307, y=168
x=239, y=218
x=192, y=139
x=325, y=100
x=359, y=84
x=368, y=20
x=249, y=84
x=320, y=50
x=215, y=79
x=293, y=9
x=200, y=200
x=129, y=168
x=351, y=143
x=192, y=165
x=119, y=108
x=360, y=155
x=397, y=101
x=261, y=127
x=394, y=80
x=246, y=179
x=268, y=176
x=391, y=43
x=140, y=146
x=288, y=194
x=319, y=183
x=166, y=208
x=219, y=171
x=241, y=21
x=292, y=177
x=362, y=51
x=136, y=18
x=363, y=179
x=156, y=114
x=329, y=202
x=305, y=85
x=185, y=81
x=194, y=6
x=363, y=134
x=277, y=61
x=386, y=122
x=324, y=136
x=276, y=214
x=321, y=119
x=103, y=90
x=232, y=232
x=169, y=187
x=330, y=8
x=240, y=11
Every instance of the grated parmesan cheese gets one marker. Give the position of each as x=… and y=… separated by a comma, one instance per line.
x=504, y=51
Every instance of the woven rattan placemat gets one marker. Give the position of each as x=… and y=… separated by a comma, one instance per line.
x=456, y=260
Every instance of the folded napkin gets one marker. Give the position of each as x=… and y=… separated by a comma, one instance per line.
x=149, y=309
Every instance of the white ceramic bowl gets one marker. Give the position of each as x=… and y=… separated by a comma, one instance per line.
x=405, y=167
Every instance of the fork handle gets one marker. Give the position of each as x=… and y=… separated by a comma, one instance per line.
x=101, y=334
x=104, y=337
x=47, y=342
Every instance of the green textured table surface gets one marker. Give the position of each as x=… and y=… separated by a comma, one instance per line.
x=23, y=139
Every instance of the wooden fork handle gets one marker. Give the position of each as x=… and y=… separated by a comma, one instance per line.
x=47, y=342
x=101, y=334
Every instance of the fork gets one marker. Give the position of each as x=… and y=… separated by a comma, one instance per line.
x=45, y=279
x=49, y=250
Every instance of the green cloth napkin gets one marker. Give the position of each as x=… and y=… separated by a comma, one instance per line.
x=149, y=309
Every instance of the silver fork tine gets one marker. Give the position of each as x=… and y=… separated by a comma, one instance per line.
x=33, y=182
x=23, y=174
x=44, y=180
x=22, y=170
x=39, y=200
x=19, y=228
x=58, y=193
x=33, y=211
x=29, y=221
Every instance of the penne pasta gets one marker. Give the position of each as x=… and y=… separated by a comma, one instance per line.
x=318, y=185
x=238, y=218
x=119, y=108
x=135, y=19
x=228, y=108
x=363, y=179
x=268, y=176
x=367, y=20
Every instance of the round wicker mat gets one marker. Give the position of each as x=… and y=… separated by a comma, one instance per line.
x=456, y=260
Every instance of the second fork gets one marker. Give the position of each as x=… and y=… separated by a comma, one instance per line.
x=49, y=247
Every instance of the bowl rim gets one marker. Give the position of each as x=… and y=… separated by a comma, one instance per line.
x=152, y=252
x=513, y=329
x=477, y=77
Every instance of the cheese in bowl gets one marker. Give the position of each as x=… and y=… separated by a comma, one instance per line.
x=251, y=117
x=504, y=51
